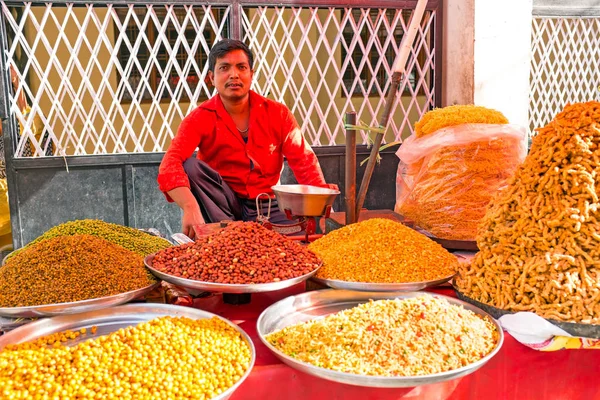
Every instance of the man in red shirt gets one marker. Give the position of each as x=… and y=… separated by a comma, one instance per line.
x=241, y=138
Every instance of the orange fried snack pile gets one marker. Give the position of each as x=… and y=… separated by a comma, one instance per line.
x=381, y=251
x=449, y=189
x=457, y=115
x=540, y=241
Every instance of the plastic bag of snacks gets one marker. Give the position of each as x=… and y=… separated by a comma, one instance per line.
x=449, y=170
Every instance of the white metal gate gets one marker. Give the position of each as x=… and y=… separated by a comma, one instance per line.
x=565, y=64
x=107, y=78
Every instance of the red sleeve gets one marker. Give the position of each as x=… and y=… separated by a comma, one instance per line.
x=171, y=174
x=301, y=158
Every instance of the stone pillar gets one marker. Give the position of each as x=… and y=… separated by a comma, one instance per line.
x=458, y=50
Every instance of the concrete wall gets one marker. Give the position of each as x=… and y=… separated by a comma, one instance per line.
x=487, y=55
x=503, y=57
x=458, y=51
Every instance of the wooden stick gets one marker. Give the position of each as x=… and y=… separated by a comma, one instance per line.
x=350, y=177
x=409, y=37
x=399, y=69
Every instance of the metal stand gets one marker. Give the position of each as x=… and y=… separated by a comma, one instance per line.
x=307, y=224
x=237, y=298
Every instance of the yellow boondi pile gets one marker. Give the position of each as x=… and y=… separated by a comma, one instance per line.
x=165, y=358
x=456, y=115
x=540, y=242
x=400, y=337
x=447, y=191
x=381, y=251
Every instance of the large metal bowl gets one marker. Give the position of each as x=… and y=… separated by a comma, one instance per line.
x=304, y=200
x=318, y=304
x=236, y=288
x=112, y=319
x=75, y=307
x=381, y=287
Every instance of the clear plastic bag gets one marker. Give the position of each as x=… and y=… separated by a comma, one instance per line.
x=446, y=179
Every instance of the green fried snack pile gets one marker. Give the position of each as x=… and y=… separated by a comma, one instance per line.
x=131, y=239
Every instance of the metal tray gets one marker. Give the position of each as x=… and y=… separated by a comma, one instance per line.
x=580, y=330
x=311, y=305
x=450, y=244
x=111, y=320
x=225, y=287
x=75, y=307
x=381, y=287
x=304, y=200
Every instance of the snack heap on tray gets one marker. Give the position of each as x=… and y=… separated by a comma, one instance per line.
x=78, y=260
x=164, y=358
x=401, y=337
x=382, y=251
x=242, y=253
x=540, y=240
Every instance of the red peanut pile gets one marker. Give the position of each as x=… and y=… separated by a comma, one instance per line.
x=242, y=253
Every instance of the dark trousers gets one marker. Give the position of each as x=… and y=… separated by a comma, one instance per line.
x=218, y=202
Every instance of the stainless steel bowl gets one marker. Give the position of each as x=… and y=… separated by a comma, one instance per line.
x=381, y=287
x=111, y=320
x=320, y=303
x=75, y=307
x=304, y=200
x=192, y=284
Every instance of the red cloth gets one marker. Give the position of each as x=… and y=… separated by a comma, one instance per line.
x=516, y=372
x=273, y=133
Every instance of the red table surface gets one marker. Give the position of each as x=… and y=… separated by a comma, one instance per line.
x=516, y=372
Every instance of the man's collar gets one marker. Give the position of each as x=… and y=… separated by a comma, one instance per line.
x=215, y=102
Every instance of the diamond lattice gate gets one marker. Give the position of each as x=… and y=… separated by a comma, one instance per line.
x=108, y=78
x=565, y=64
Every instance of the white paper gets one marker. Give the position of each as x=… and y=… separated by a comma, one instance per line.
x=527, y=327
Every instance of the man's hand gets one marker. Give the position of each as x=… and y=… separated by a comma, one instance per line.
x=191, y=210
x=191, y=217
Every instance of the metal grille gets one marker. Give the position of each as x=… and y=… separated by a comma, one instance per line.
x=340, y=62
x=105, y=79
x=565, y=65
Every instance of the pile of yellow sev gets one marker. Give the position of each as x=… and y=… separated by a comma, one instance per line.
x=400, y=337
x=540, y=241
x=447, y=191
x=381, y=251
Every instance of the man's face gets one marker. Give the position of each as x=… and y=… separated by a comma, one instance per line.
x=232, y=76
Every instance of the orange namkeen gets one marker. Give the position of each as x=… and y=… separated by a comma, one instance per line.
x=380, y=250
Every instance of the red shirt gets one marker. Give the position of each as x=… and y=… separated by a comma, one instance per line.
x=273, y=133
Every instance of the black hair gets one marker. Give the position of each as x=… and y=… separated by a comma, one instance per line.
x=222, y=47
